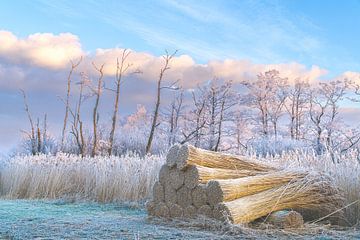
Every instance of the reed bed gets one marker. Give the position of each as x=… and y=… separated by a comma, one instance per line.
x=101, y=179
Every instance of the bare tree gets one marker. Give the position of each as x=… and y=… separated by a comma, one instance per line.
x=261, y=96
x=167, y=59
x=318, y=107
x=174, y=116
x=196, y=119
x=295, y=106
x=30, y=135
x=97, y=92
x=221, y=99
x=67, y=100
x=77, y=123
x=121, y=69
x=277, y=100
x=334, y=92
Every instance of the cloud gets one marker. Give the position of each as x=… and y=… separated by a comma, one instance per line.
x=354, y=76
x=40, y=49
x=190, y=73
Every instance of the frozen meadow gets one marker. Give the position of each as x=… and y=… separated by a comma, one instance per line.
x=129, y=178
x=103, y=197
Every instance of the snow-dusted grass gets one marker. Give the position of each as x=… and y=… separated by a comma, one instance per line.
x=130, y=178
x=102, y=179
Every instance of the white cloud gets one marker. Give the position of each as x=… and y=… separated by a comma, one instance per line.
x=40, y=49
x=53, y=52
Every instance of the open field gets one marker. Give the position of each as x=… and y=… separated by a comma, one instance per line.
x=94, y=190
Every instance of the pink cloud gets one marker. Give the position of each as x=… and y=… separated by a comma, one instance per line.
x=40, y=49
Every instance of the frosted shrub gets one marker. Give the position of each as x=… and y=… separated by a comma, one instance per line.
x=102, y=179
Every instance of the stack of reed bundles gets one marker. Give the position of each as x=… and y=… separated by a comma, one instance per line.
x=238, y=189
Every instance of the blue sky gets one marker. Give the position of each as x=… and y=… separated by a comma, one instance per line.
x=229, y=39
x=324, y=33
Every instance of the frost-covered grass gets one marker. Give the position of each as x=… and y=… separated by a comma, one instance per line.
x=346, y=174
x=102, y=179
x=130, y=178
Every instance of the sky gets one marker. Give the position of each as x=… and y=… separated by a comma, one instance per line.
x=317, y=40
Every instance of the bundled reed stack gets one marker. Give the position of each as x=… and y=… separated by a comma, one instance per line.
x=196, y=182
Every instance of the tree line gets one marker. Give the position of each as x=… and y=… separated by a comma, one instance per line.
x=270, y=113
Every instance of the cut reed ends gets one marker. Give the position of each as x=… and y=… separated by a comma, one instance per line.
x=206, y=211
x=286, y=219
x=158, y=192
x=164, y=174
x=176, y=178
x=190, y=211
x=161, y=210
x=175, y=210
x=184, y=196
x=150, y=207
x=170, y=194
x=190, y=155
x=198, y=196
x=171, y=157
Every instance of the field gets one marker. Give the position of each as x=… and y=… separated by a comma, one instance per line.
x=72, y=197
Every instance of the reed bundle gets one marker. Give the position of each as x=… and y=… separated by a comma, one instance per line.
x=199, y=174
x=190, y=155
x=286, y=219
x=175, y=210
x=199, y=197
x=311, y=192
x=172, y=155
x=205, y=210
x=230, y=189
x=184, y=196
x=190, y=211
x=158, y=192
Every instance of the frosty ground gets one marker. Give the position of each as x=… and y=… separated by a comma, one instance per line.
x=58, y=219
x=67, y=197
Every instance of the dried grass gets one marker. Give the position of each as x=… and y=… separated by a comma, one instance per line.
x=312, y=192
x=190, y=155
x=230, y=189
x=102, y=179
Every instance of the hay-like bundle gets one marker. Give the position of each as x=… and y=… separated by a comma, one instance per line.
x=172, y=155
x=311, y=192
x=161, y=210
x=190, y=155
x=158, y=192
x=176, y=211
x=198, y=196
x=184, y=197
x=164, y=174
x=176, y=178
x=199, y=174
x=205, y=210
x=190, y=211
x=230, y=189
x=170, y=194
x=286, y=219
x=150, y=207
